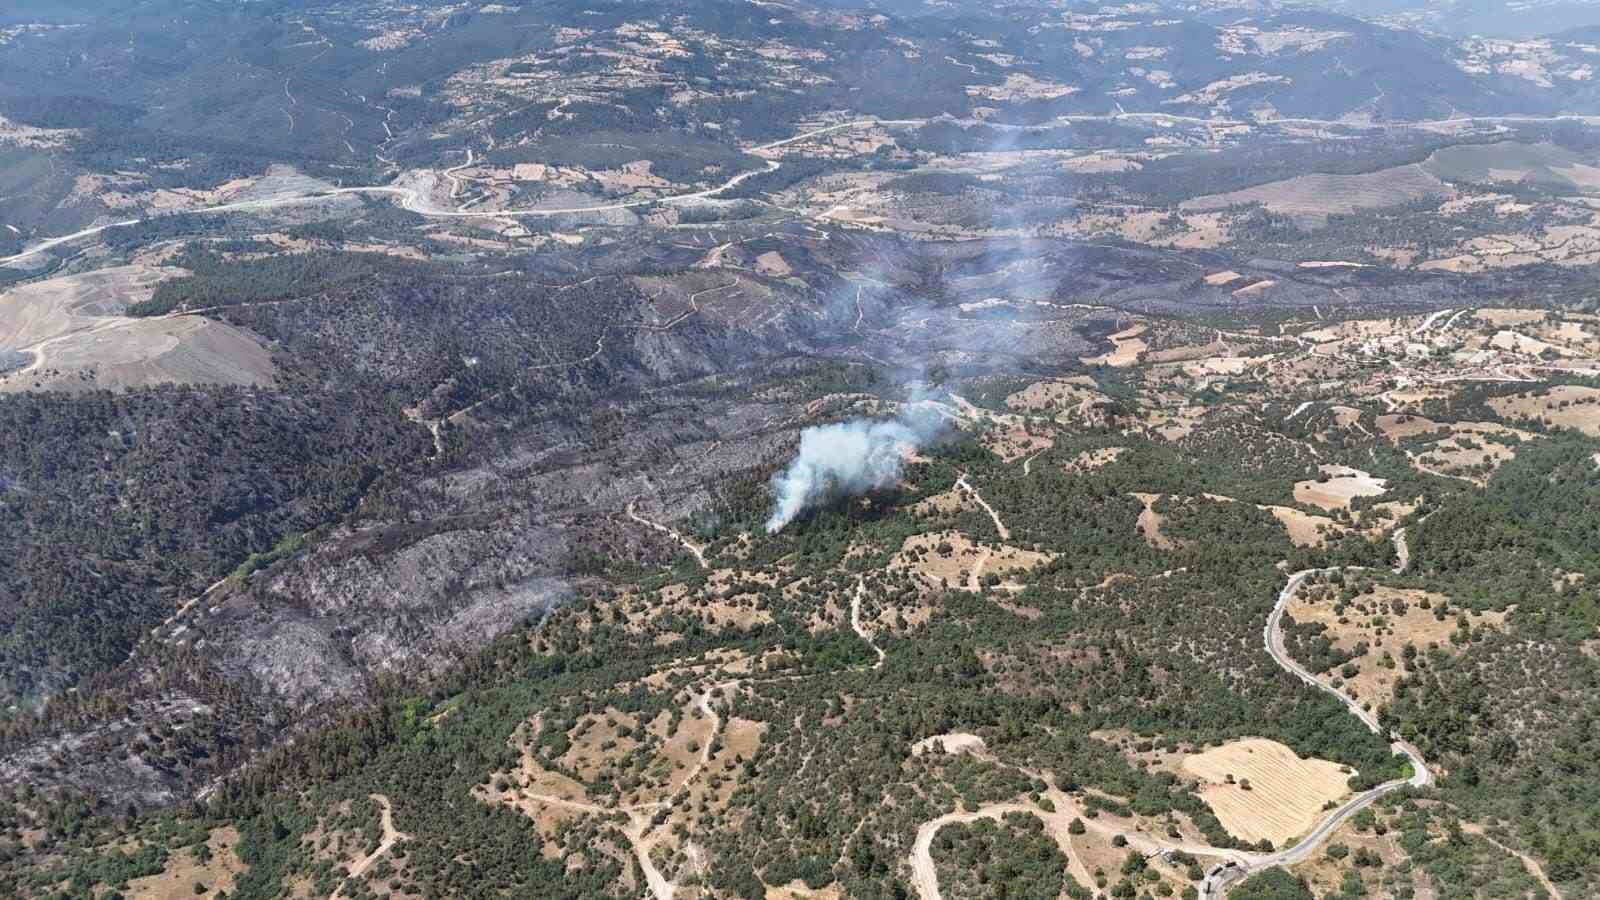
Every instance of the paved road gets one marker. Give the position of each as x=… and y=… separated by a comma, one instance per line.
x=1218, y=881
x=415, y=201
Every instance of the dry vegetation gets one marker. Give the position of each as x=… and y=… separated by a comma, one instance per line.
x=1261, y=789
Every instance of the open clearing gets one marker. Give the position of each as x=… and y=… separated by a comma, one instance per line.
x=1386, y=620
x=954, y=742
x=75, y=337
x=1470, y=451
x=1285, y=794
x=1342, y=485
x=183, y=870
x=1319, y=196
x=1566, y=405
x=950, y=559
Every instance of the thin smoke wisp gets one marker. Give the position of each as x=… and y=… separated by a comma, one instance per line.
x=847, y=458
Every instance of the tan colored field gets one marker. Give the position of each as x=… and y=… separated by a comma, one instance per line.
x=1566, y=405
x=1467, y=454
x=1402, y=425
x=182, y=872
x=773, y=264
x=1305, y=529
x=1323, y=195
x=1012, y=439
x=1465, y=450
x=76, y=338
x=1517, y=342
x=1357, y=329
x=717, y=604
x=1224, y=365
x=595, y=738
x=1127, y=346
x=948, y=503
x=1377, y=620
x=1342, y=485
x=1286, y=793
x=1054, y=395
x=963, y=563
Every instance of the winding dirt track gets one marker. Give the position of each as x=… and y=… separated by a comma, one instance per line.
x=855, y=622
x=699, y=553
x=1528, y=862
x=962, y=483
x=390, y=837
x=925, y=877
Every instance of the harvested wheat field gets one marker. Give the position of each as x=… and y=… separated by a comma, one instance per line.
x=1285, y=793
x=1341, y=485
x=1566, y=406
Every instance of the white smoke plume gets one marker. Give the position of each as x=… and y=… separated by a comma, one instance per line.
x=848, y=458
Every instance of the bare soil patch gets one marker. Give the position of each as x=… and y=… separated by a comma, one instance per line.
x=954, y=742
x=1341, y=485
x=76, y=338
x=1149, y=523
x=1305, y=529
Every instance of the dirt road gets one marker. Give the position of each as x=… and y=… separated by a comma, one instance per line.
x=697, y=552
x=925, y=877
x=391, y=836
x=1528, y=862
x=855, y=621
x=963, y=484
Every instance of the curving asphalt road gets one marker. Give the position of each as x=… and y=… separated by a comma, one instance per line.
x=1218, y=881
x=412, y=200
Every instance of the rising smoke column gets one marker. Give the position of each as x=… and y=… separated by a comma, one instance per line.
x=847, y=458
